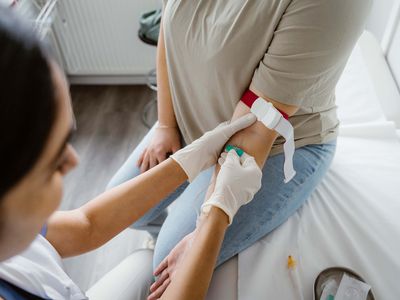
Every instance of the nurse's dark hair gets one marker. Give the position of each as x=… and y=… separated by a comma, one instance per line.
x=27, y=99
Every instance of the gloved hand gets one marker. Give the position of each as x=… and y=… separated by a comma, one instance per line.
x=204, y=152
x=237, y=182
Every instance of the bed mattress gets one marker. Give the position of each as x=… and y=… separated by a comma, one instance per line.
x=352, y=218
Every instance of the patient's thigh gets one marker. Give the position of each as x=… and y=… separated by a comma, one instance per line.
x=276, y=201
x=271, y=206
x=129, y=168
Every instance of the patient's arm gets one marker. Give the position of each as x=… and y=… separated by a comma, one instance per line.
x=257, y=139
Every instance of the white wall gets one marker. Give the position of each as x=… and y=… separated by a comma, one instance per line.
x=99, y=40
x=384, y=23
x=380, y=16
x=393, y=54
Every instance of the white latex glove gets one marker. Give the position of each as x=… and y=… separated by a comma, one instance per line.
x=237, y=182
x=204, y=152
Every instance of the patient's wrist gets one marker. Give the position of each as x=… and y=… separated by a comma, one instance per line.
x=252, y=142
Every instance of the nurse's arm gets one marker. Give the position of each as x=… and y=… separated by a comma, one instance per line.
x=193, y=276
x=92, y=225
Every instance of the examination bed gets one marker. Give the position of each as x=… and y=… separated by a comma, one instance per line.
x=353, y=217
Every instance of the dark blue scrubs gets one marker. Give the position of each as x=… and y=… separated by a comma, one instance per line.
x=9, y=291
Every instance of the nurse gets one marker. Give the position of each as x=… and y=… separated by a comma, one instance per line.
x=36, y=123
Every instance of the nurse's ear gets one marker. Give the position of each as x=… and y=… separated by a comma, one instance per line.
x=70, y=160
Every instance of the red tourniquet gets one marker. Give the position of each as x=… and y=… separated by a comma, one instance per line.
x=249, y=98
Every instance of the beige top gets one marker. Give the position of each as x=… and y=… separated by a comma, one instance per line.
x=293, y=51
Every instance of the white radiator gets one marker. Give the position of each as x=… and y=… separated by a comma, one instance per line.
x=99, y=40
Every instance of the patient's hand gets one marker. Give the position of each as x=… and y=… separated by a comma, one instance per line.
x=167, y=268
x=164, y=142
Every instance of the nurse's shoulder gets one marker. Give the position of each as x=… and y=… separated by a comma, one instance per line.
x=39, y=264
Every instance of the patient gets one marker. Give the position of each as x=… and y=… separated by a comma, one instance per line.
x=290, y=53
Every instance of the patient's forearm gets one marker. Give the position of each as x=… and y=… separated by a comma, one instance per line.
x=256, y=140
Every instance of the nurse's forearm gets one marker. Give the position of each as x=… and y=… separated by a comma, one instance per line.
x=193, y=277
x=87, y=228
x=166, y=115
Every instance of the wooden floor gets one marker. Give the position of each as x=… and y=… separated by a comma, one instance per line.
x=109, y=127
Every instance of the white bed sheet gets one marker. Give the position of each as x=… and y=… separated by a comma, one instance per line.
x=352, y=219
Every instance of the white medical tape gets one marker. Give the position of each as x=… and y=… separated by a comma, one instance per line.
x=273, y=119
x=285, y=129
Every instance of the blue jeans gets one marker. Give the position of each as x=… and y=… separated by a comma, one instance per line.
x=271, y=206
